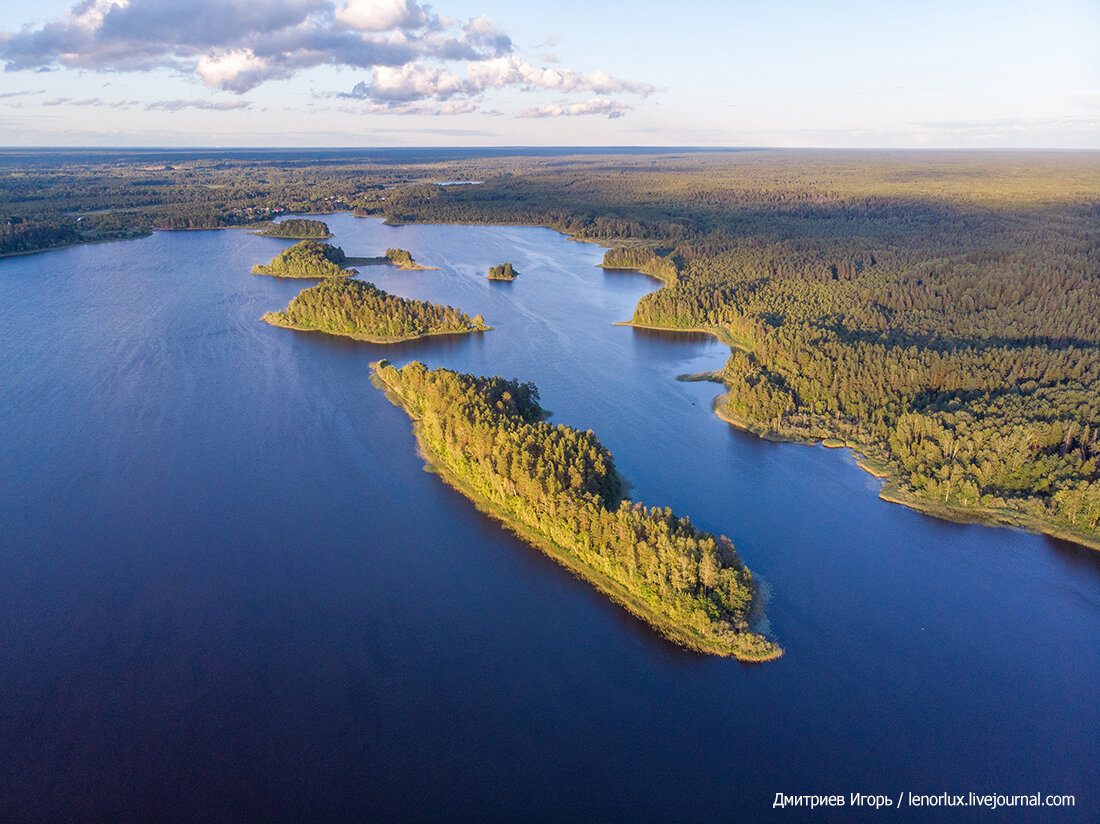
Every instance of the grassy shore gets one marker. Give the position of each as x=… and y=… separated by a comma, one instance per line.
x=634, y=603
x=275, y=319
x=893, y=493
x=753, y=427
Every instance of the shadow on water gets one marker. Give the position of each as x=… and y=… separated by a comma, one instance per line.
x=1085, y=559
x=672, y=335
x=433, y=344
x=540, y=564
x=634, y=273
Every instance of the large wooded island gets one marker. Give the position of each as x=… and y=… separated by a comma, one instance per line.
x=558, y=489
x=360, y=310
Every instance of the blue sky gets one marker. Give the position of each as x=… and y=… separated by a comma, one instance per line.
x=398, y=73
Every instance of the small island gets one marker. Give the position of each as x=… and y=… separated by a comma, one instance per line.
x=557, y=488
x=307, y=259
x=401, y=258
x=296, y=229
x=360, y=310
x=502, y=272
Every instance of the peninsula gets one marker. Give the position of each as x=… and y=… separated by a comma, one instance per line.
x=558, y=489
x=307, y=259
x=360, y=310
x=296, y=228
x=502, y=272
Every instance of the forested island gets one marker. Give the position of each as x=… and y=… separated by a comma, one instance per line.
x=403, y=259
x=502, y=272
x=297, y=228
x=307, y=259
x=360, y=310
x=558, y=489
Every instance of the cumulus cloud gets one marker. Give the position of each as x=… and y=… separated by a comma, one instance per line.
x=408, y=50
x=380, y=15
x=511, y=70
x=594, y=106
x=413, y=81
x=238, y=44
x=483, y=35
x=417, y=81
x=240, y=69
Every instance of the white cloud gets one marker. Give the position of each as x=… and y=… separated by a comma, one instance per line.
x=418, y=81
x=594, y=106
x=511, y=70
x=412, y=53
x=483, y=34
x=413, y=81
x=225, y=70
x=380, y=15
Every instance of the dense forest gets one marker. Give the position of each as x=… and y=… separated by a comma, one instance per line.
x=504, y=271
x=297, y=228
x=559, y=488
x=358, y=309
x=938, y=310
x=307, y=259
x=971, y=380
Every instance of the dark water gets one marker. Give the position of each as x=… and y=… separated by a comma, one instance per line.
x=229, y=592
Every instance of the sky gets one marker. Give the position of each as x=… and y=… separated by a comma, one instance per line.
x=968, y=74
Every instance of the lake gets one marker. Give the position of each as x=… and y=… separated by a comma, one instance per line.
x=230, y=592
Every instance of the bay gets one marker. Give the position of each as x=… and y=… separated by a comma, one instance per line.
x=229, y=591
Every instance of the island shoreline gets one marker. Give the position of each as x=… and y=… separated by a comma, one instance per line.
x=637, y=607
x=272, y=319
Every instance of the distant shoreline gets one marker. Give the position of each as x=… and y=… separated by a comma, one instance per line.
x=135, y=236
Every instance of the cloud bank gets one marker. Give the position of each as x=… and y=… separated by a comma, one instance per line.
x=417, y=60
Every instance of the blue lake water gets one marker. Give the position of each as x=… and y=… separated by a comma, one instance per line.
x=229, y=591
